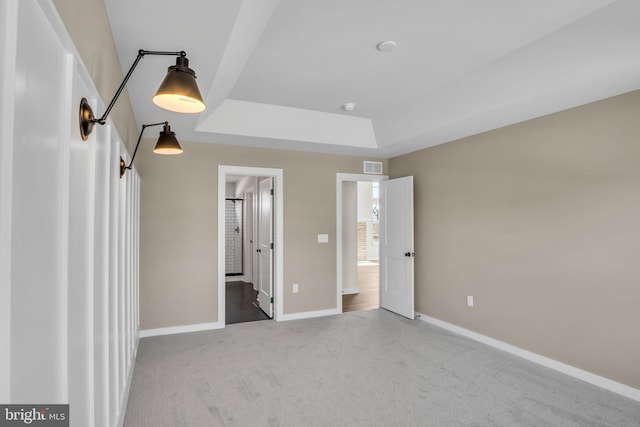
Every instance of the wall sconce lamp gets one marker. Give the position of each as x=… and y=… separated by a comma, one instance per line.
x=178, y=92
x=167, y=144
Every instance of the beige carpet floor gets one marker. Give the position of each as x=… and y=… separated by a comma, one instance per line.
x=367, y=368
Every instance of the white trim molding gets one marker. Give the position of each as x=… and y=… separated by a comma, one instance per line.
x=597, y=380
x=127, y=388
x=8, y=52
x=171, y=330
x=310, y=314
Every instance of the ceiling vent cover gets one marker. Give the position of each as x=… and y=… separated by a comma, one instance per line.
x=373, y=167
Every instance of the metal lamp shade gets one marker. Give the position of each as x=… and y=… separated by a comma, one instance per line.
x=167, y=143
x=179, y=91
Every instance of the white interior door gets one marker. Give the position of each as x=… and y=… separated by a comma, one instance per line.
x=250, y=244
x=396, y=246
x=265, y=246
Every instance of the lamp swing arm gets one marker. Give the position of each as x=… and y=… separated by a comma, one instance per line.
x=135, y=150
x=167, y=144
x=178, y=92
x=141, y=53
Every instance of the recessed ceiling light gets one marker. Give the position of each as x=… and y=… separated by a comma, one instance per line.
x=386, y=46
x=349, y=106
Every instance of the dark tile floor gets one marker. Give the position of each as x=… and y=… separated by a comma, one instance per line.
x=241, y=304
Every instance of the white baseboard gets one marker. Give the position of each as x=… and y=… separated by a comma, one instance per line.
x=350, y=291
x=234, y=279
x=597, y=380
x=309, y=314
x=127, y=389
x=217, y=325
x=180, y=329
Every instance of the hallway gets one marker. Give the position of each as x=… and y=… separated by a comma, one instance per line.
x=368, y=285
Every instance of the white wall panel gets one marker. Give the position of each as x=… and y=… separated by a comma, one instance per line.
x=8, y=47
x=135, y=271
x=81, y=266
x=101, y=276
x=127, y=259
x=121, y=285
x=114, y=279
x=40, y=205
x=68, y=230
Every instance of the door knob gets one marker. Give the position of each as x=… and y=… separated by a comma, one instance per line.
x=258, y=250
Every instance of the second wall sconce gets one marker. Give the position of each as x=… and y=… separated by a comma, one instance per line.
x=167, y=144
x=178, y=92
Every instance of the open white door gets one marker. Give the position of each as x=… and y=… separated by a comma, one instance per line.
x=250, y=242
x=396, y=246
x=265, y=246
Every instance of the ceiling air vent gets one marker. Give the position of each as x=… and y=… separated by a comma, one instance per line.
x=373, y=167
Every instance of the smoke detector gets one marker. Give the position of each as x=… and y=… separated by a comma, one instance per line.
x=349, y=106
x=386, y=45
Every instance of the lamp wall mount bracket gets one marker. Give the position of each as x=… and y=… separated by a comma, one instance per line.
x=87, y=120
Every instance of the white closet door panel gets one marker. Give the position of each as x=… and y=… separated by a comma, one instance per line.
x=8, y=47
x=40, y=212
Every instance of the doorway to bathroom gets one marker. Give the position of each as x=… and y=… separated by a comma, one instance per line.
x=250, y=249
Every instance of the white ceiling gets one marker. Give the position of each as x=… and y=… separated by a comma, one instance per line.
x=276, y=73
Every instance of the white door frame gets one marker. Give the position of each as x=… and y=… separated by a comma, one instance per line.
x=278, y=225
x=340, y=178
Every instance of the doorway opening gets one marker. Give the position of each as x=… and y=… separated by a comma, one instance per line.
x=241, y=288
x=358, y=234
x=249, y=244
x=234, y=235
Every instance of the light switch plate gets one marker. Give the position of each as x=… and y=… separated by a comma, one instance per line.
x=323, y=238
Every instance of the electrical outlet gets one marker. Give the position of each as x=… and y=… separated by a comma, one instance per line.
x=469, y=301
x=295, y=288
